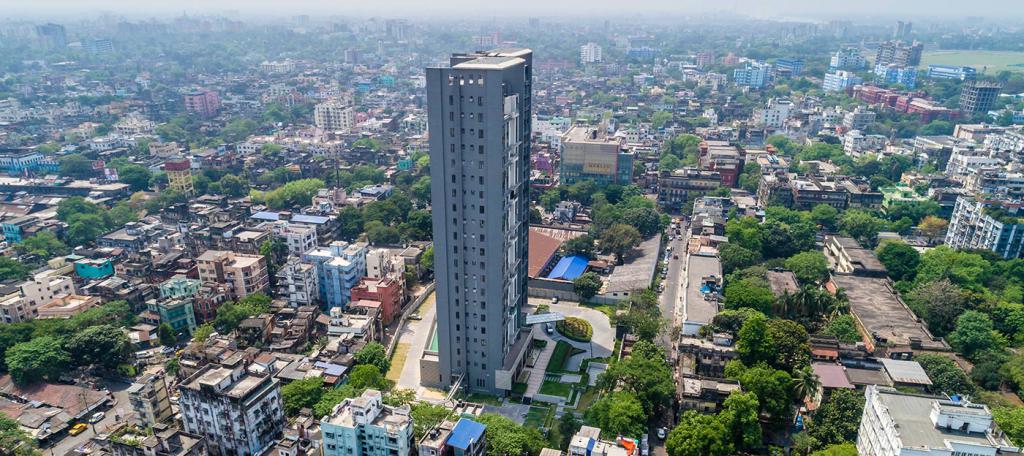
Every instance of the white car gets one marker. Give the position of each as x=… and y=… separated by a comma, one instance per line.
x=662, y=433
x=97, y=417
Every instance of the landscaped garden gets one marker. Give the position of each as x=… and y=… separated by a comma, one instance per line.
x=576, y=329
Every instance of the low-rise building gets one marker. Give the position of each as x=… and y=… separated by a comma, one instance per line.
x=339, y=268
x=899, y=424
x=297, y=282
x=67, y=306
x=241, y=274
x=365, y=426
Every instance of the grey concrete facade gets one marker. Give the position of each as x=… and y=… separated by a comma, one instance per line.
x=479, y=114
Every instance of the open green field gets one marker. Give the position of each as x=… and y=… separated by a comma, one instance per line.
x=987, y=62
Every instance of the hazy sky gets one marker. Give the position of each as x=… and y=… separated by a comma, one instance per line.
x=921, y=9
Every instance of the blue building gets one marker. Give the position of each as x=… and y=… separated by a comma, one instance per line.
x=88, y=268
x=339, y=267
x=963, y=73
x=791, y=66
x=14, y=229
x=754, y=75
x=17, y=161
x=642, y=53
x=895, y=74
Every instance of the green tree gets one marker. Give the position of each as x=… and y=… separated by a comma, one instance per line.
x=645, y=373
x=14, y=441
x=805, y=382
x=506, y=437
x=946, y=376
x=620, y=239
x=137, y=177
x=374, y=354
x=844, y=449
x=568, y=426
x=167, y=336
x=351, y=223
x=12, y=270
x=44, y=243
x=773, y=388
x=790, y=344
x=974, y=334
x=587, y=285
x=825, y=215
x=12, y=334
x=809, y=267
x=843, y=328
x=966, y=269
x=740, y=415
x=580, y=245
x=749, y=293
x=837, y=420
x=861, y=226
x=900, y=260
x=425, y=416
x=753, y=343
x=300, y=394
x=367, y=376
x=699, y=435
x=618, y=413
x=39, y=358
x=76, y=166
x=332, y=397
x=102, y=345
x=735, y=256
x=939, y=302
x=1010, y=421
x=202, y=332
x=234, y=186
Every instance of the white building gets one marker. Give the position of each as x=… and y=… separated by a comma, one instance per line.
x=150, y=401
x=898, y=424
x=364, y=426
x=237, y=409
x=847, y=59
x=299, y=238
x=590, y=53
x=286, y=66
x=334, y=115
x=33, y=293
x=840, y=80
x=987, y=225
x=587, y=442
x=858, y=119
x=298, y=283
x=774, y=114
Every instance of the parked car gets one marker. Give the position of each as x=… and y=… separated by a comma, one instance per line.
x=415, y=316
x=550, y=328
x=554, y=300
x=662, y=433
x=78, y=429
x=97, y=417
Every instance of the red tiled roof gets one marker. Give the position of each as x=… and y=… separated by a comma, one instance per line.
x=542, y=248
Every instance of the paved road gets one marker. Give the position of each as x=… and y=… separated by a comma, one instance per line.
x=119, y=405
x=669, y=301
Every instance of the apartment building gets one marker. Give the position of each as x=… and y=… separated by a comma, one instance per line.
x=479, y=114
x=979, y=96
x=300, y=238
x=840, y=80
x=774, y=114
x=204, y=102
x=150, y=401
x=298, y=283
x=754, y=75
x=334, y=115
x=339, y=267
x=591, y=53
x=899, y=53
x=237, y=408
x=241, y=274
x=995, y=225
x=684, y=185
x=388, y=291
x=364, y=426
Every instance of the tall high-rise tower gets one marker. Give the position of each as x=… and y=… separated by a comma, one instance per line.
x=479, y=114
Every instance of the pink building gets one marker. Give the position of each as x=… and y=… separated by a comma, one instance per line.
x=204, y=102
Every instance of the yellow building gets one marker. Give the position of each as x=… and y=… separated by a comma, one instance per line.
x=179, y=174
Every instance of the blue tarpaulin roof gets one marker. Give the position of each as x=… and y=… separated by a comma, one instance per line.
x=466, y=432
x=569, y=268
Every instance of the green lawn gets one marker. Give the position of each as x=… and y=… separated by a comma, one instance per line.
x=484, y=399
x=603, y=308
x=536, y=417
x=563, y=351
x=556, y=388
x=991, y=62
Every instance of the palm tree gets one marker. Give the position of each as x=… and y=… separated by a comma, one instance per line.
x=806, y=382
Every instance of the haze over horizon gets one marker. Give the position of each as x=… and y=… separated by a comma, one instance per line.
x=767, y=9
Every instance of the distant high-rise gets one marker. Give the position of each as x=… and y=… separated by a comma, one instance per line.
x=705, y=59
x=479, y=115
x=978, y=96
x=53, y=36
x=847, y=59
x=896, y=52
x=902, y=30
x=590, y=53
x=204, y=102
x=754, y=75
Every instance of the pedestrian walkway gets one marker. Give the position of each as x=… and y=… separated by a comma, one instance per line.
x=536, y=379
